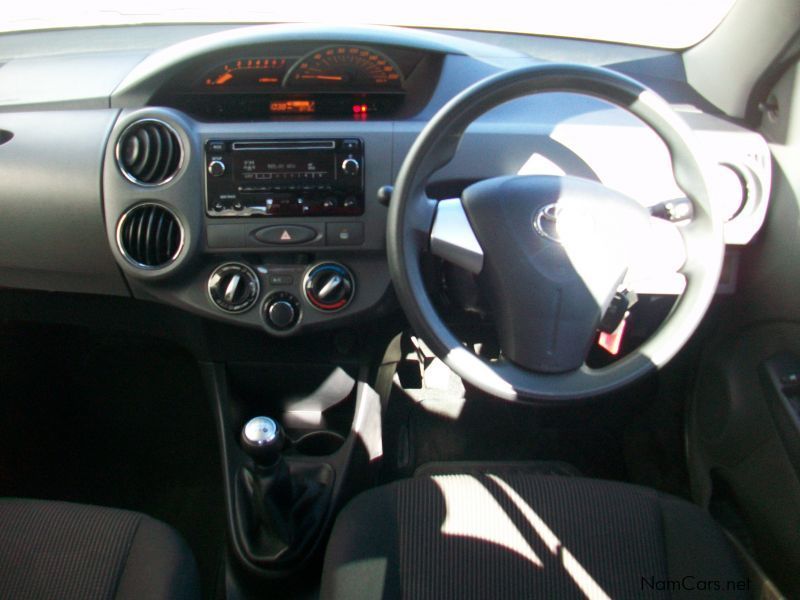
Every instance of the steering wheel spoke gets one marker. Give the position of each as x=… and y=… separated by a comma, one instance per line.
x=453, y=239
x=420, y=219
x=660, y=255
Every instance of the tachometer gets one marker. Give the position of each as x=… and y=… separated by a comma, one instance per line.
x=345, y=67
x=250, y=73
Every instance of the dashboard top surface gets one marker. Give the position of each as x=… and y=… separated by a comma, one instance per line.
x=124, y=66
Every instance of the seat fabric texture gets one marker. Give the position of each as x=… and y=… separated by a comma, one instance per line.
x=515, y=535
x=74, y=551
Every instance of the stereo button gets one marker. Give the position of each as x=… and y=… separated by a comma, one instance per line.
x=281, y=280
x=351, y=145
x=285, y=234
x=350, y=166
x=216, y=168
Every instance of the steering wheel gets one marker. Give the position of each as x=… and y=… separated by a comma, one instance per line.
x=549, y=252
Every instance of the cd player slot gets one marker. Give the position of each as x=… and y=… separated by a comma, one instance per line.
x=286, y=145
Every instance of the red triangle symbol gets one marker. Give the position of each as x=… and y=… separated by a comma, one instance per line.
x=285, y=236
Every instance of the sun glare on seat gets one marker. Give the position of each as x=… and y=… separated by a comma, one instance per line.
x=472, y=511
x=571, y=565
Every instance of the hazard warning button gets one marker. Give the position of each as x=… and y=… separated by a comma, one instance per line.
x=285, y=234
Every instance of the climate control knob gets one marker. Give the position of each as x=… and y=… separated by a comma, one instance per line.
x=233, y=287
x=329, y=286
x=281, y=311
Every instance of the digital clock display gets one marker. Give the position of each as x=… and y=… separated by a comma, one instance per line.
x=292, y=106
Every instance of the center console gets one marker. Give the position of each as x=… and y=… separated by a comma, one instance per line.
x=274, y=226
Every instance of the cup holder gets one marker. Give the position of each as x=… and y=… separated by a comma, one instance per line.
x=319, y=443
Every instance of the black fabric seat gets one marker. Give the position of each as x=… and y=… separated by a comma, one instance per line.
x=73, y=551
x=514, y=535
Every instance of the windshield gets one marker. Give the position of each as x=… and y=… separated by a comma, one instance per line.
x=659, y=23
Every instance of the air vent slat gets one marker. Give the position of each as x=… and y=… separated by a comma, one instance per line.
x=131, y=151
x=143, y=143
x=133, y=227
x=149, y=152
x=151, y=252
x=128, y=233
x=161, y=241
x=155, y=156
x=150, y=236
x=172, y=236
x=140, y=231
x=169, y=155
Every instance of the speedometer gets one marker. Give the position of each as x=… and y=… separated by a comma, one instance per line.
x=354, y=68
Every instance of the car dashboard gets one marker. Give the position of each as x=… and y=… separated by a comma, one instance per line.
x=239, y=173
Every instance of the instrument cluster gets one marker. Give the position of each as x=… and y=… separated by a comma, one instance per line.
x=332, y=80
x=330, y=68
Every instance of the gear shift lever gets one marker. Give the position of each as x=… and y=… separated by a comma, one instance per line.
x=271, y=488
x=263, y=440
x=281, y=502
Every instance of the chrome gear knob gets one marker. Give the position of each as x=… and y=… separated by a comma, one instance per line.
x=262, y=439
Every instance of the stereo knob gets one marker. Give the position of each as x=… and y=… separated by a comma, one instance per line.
x=216, y=168
x=329, y=287
x=233, y=287
x=281, y=311
x=350, y=166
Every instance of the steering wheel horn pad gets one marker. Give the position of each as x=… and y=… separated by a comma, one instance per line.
x=550, y=276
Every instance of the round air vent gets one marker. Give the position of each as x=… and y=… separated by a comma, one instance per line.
x=149, y=152
x=150, y=236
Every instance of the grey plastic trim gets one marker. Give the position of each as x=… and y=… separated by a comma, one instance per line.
x=130, y=177
x=749, y=39
x=453, y=239
x=52, y=230
x=125, y=254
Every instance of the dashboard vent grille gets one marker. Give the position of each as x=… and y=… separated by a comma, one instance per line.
x=150, y=236
x=149, y=152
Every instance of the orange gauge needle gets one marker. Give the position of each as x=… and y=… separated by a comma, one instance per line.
x=224, y=78
x=323, y=77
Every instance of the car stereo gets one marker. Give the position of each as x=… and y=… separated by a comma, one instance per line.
x=284, y=178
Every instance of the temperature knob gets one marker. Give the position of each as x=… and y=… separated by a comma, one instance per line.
x=350, y=166
x=233, y=287
x=329, y=287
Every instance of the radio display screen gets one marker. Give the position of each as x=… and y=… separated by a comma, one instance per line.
x=285, y=166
